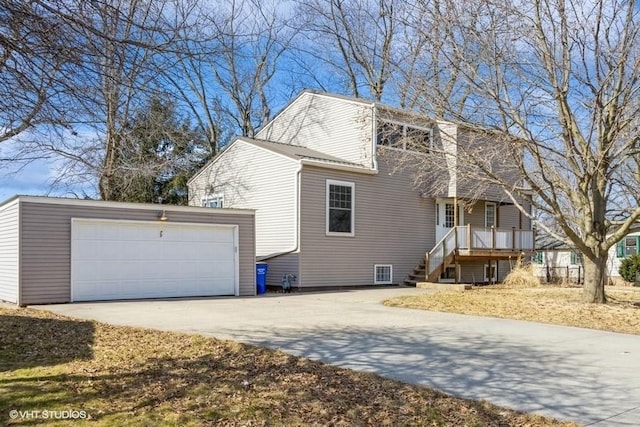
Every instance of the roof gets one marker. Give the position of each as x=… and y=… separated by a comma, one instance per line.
x=123, y=205
x=296, y=152
x=550, y=243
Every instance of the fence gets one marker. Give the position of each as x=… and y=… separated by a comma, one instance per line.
x=573, y=274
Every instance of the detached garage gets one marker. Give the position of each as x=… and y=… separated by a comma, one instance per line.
x=55, y=250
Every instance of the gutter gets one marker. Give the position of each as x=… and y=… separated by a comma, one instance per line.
x=338, y=166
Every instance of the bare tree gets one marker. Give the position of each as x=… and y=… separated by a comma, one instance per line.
x=553, y=86
x=118, y=45
x=426, y=76
x=228, y=71
x=357, y=39
x=35, y=54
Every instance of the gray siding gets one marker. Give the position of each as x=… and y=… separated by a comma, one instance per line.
x=281, y=265
x=509, y=216
x=472, y=272
x=253, y=178
x=46, y=244
x=335, y=126
x=393, y=225
x=472, y=188
x=476, y=216
x=9, y=250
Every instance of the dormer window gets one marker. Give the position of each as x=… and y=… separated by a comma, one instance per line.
x=405, y=137
x=390, y=135
x=213, y=201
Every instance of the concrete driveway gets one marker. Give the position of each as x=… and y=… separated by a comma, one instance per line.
x=574, y=374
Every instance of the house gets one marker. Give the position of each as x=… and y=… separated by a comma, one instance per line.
x=555, y=261
x=627, y=246
x=335, y=208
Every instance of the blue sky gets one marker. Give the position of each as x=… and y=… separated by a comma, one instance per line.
x=36, y=180
x=32, y=180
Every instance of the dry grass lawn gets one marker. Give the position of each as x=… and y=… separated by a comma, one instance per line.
x=138, y=377
x=547, y=304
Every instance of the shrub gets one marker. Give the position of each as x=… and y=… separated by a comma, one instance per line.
x=521, y=276
x=629, y=267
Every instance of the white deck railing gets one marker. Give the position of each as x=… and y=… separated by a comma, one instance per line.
x=468, y=237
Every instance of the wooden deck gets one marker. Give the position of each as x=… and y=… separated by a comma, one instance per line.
x=467, y=243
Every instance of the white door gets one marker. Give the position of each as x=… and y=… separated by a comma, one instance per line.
x=445, y=217
x=134, y=259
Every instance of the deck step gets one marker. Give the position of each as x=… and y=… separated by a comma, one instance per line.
x=443, y=286
x=417, y=275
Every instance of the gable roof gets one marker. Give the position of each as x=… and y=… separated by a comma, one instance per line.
x=546, y=242
x=295, y=152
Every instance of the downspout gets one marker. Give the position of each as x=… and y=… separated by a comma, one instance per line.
x=374, y=130
x=296, y=228
x=19, y=266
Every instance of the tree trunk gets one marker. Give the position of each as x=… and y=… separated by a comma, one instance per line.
x=595, y=277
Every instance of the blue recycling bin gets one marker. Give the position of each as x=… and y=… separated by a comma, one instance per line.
x=261, y=277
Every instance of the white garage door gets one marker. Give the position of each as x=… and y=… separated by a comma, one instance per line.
x=131, y=259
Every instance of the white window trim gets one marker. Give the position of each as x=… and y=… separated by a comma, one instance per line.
x=495, y=272
x=441, y=280
x=353, y=207
x=404, y=126
x=375, y=275
x=495, y=214
x=217, y=196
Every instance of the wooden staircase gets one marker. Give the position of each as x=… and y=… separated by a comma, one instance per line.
x=417, y=275
x=464, y=243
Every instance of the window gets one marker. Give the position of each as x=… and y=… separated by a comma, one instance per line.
x=405, y=137
x=490, y=271
x=576, y=258
x=489, y=214
x=214, y=201
x=539, y=257
x=383, y=274
x=630, y=246
x=418, y=139
x=449, y=273
x=437, y=213
x=627, y=246
x=340, y=208
x=448, y=215
x=390, y=135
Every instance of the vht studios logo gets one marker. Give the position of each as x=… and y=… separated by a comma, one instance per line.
x=67, y=414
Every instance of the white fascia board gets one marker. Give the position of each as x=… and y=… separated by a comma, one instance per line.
x=130, y=205
x=338, y=166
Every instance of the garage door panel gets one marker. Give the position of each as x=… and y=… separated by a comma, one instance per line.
x=123, y=260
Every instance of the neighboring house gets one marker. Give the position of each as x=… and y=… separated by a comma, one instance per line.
x=629, y=245
x=334, y=208
x=555, y=261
